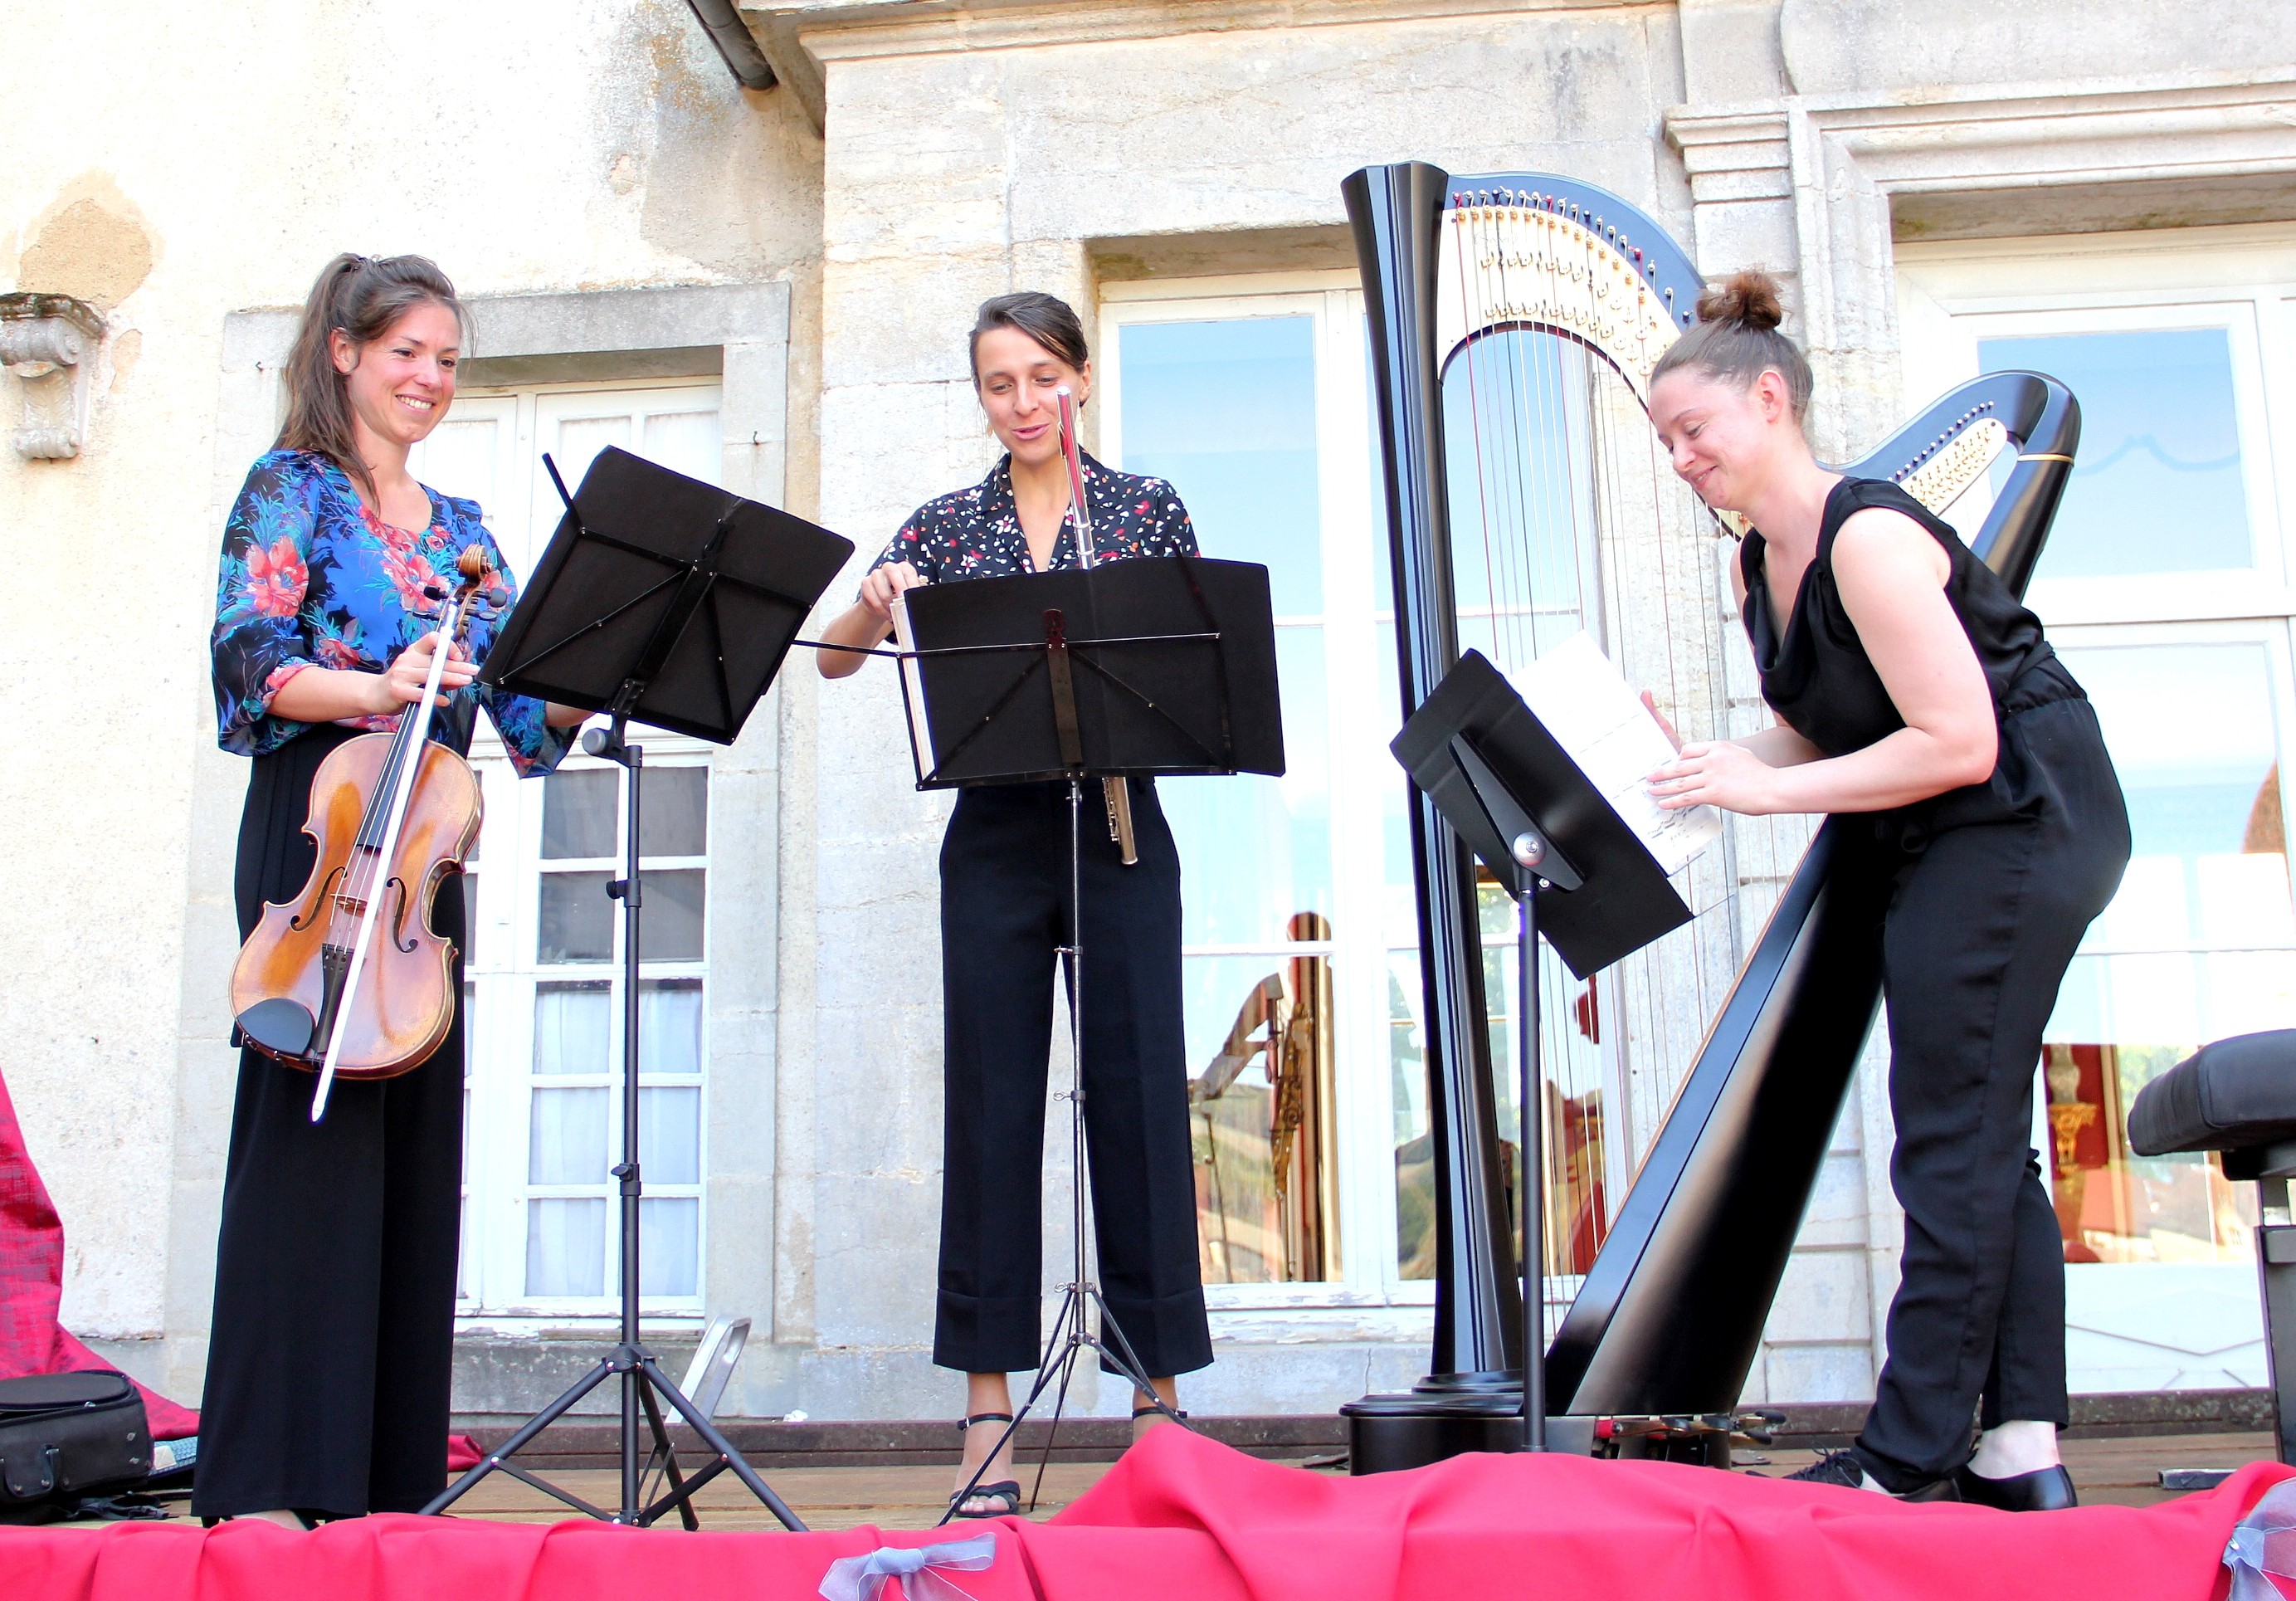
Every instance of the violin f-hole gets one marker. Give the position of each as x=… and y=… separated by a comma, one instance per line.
x=399, y=920
x=325, y=897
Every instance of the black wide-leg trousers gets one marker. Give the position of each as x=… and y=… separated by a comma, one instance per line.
x=1993, y=893
x=330, y=1353
x=1006, y=909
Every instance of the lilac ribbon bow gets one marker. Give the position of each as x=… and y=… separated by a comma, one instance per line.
x=2264, y=1542
x=863, y=1577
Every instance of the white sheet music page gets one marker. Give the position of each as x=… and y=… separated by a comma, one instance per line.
x=912, y=686
x=1597, y=718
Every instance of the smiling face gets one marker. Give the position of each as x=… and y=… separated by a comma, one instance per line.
x=1726, y=442
x=1015, y=377
x=400, y=385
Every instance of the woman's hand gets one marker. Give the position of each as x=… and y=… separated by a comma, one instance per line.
x=1718, y=773
x=400, y=684
x=884, y=586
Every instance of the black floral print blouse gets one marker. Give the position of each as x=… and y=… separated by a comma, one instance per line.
x=975, y=533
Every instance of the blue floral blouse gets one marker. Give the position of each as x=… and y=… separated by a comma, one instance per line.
x=975, y=532
x=311, y=578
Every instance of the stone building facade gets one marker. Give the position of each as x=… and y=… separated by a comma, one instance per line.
x=770, y=286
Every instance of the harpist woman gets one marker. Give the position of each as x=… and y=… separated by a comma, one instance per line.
x=1913, y=691
x=332, y=1340
x=1005, y=907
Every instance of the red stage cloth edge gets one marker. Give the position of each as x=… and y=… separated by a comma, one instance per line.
x=1184, y=1517
x=31, y=1283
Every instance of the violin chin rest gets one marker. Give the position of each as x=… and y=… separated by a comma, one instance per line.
x=280, y=1027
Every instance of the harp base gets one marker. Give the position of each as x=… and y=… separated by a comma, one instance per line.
x=1446, y=1417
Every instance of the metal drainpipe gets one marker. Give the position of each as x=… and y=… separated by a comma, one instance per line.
x=735, y=43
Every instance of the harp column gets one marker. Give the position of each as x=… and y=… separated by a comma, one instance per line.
x=1395, y=211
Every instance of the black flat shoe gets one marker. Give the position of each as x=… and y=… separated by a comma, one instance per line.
x=2051, y=1490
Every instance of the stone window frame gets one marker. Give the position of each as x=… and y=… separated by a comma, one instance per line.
x=739, y=334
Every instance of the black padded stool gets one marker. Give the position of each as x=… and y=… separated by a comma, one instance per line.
x=2238, y=1097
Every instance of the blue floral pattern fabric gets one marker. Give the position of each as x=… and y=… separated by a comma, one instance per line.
x=975, y=533
x=311, y=578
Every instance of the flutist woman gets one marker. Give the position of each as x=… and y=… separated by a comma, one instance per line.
x=1912, y=690
x=332, y=1339
x=1005, y=907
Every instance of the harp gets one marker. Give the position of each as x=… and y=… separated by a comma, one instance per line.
x=1515, y=322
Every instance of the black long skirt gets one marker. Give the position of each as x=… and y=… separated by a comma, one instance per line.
x=330, y=1356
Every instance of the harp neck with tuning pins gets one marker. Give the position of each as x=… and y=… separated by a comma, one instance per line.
x=1515, y=320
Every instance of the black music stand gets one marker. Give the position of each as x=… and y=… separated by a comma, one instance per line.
x=1580, y=876
x=664, y=599
x=1123, y=671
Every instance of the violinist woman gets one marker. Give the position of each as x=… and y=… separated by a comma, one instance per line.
x=1911, y=689
x=1005, y=907
x=333, y=1338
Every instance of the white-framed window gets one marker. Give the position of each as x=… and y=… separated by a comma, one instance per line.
x=2166, y=587
x=544, y=973
x=1251, y=397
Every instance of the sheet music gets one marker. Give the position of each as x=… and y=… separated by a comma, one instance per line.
x=1597, y=718
x=912, y=691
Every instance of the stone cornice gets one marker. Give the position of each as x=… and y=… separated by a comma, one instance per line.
x=800, y=36
x=1997, y=137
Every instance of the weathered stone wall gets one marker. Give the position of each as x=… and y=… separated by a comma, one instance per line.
x=195, y=166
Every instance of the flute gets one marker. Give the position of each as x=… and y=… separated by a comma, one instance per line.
x=1116, y=793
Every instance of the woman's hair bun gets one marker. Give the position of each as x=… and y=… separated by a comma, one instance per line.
x=1747, y=299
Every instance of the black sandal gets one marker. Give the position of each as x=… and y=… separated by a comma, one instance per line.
x=1153, y=1410
x=1005, y=1491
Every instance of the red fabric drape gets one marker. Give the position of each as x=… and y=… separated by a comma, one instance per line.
x=32, y=1278
x=1183, y=1517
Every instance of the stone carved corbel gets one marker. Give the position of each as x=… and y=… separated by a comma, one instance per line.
x=49, y=342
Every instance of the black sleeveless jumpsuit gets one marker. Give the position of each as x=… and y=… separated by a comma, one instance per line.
x=1994, y=886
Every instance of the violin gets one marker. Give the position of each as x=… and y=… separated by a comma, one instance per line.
x=349, y=978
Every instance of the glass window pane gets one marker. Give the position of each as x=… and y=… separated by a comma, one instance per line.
x=566, y=1247
x=669, y=1135
x=687, y=443
x=669, y=1026
x=1256, y=851
x=1260, y=1095
x=566, y=1136
x=1414, y=1159
x=2156, y=485
x=579, y=441
x=577, y=918
x=672, y=929
x=469, y=916
x=1227, y=412
x=573, y=1028
x=577, y=813
x=669, y=1234
x=2199, y=943
x=674, y=816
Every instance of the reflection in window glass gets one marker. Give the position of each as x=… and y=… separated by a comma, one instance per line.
x=671, y=928
x=674, y=819
x=576, y=921
x=577, y=813
x=1256, y=850
x=1263, y=1115
x=2157, y=484
x=1227, y=412
x=2199, y=943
